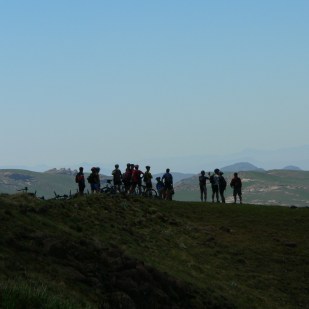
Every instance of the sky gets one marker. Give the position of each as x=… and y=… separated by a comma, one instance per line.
x=140, y=81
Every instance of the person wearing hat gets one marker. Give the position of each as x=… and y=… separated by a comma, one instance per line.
x=80, y=180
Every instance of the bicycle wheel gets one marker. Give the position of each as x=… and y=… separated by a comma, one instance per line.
x=152, y=193
x=105, y=189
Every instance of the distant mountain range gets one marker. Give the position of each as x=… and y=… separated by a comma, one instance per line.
x=241, y=167
x=292, y=168
x=265, y=159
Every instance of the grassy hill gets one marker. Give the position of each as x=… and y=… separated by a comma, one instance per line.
x=125, y=252
x=275, y=187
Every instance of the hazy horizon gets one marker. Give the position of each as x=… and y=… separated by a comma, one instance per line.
x=268, y=160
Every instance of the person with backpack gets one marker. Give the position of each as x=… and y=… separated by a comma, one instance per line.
x=222, y=186
x=160, y=187
x=203, y=189
x=214, y=180
x=136, y=179
x=167, y=179
x=147, y=178
x=236, y=184
x=117, y=177
x=94, y=180
x=126, y=178
x=80, y=180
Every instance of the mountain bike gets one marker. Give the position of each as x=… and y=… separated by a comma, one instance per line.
x=33, y=194
x=111, y=189
x=62, y=197
x=147, y=192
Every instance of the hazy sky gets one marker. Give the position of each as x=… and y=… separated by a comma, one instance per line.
x=127, y=81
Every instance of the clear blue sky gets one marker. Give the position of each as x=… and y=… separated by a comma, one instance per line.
x=127, y=81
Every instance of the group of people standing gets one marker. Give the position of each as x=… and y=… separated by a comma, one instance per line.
x=131, y=180
x=133, y=177
x=218, y=186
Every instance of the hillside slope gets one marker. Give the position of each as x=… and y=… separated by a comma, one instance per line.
x=118, y=252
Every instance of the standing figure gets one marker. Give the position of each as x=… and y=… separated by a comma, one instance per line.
x=117, y=177
x=203, y=189
x=136, y=179
x=167, y=179
x=80, y=180
x=160, y=187
x=126, y=178
x=222, y=186
x=94, y=179
x=236, y=184
x=147, y=178
x=214, y=180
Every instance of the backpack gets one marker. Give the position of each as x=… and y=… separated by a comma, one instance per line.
x=117, y=174
x=79, y=178
x=168, y=178
x=147, y=177
x=90, y=178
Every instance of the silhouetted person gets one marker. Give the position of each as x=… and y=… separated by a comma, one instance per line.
x=80, y=180
x=136, y=179
x=94, y=179
x=203, y=189
x=147, y=178
x=167, y=179
x=222, y=186
x=126, y=178
x=236, y=184
x=214, y=180
x=117, y=177
x=160, y=187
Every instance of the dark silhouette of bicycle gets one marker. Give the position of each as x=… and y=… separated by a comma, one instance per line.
x=146, y=192
x=109, y=188
x=33, y=194
x=62, y=197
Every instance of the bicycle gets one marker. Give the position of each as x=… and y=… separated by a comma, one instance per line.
x=33, y=194
x=62, y=197
x=111, y=189
x=146, y=192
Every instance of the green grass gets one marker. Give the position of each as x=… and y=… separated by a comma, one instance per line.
x=227, y=256
x=23, y=293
